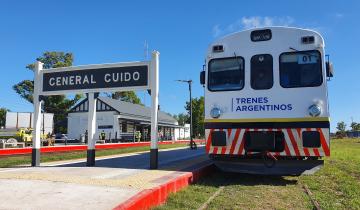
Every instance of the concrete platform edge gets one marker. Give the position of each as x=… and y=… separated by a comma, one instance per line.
x=156, y=196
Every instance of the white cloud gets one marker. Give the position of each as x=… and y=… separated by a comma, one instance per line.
x=339, y=15
x=257, y=21
x=216, y=30
x=252, y=22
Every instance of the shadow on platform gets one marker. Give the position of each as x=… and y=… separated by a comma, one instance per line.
x=142, y=161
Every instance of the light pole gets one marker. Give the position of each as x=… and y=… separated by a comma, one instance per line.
x=192, y=143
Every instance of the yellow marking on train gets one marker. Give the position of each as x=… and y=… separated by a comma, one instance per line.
x=303, y=119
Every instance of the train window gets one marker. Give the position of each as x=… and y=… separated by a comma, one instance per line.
x=262, y=72
x=226, y=74
x=300, y=69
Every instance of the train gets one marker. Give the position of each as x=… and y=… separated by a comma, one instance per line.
x=266, y=101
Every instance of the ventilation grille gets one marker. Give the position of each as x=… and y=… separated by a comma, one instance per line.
x=308, y=39
x=218, y=48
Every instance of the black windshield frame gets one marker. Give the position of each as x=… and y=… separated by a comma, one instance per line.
x=254, y=70
x=241, y=71
x=319, y=69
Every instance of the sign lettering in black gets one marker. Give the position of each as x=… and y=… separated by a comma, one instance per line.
x=261, y=35
x=112, y=77
x=105, y=127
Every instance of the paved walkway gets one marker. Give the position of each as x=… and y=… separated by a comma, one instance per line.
x=71, y=185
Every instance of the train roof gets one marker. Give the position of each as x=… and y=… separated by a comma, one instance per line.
x=275, y=30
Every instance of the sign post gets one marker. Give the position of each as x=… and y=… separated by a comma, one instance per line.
x=90, y=161
x=92, y=79
x=35, y=157
x=154, y=109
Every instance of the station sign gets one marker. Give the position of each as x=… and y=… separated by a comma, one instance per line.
x=91, y=79
x=96, y=78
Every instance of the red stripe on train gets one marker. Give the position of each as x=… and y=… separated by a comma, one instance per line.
x=323, y=142
x=234, y=142
x=293, y=142
x=208, y=141
x=242, y=142
x=316, y=152
x=287, y=151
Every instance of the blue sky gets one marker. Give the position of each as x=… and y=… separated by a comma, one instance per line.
x=115, y=31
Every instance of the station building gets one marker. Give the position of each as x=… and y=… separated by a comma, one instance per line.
x=119, y=120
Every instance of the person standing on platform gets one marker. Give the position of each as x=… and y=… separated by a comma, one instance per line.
x=102, y=135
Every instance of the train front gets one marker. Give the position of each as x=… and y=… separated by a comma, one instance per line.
x=266, y=106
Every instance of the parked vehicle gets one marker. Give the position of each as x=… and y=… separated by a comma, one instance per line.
x=266, y=101
x=60, y=138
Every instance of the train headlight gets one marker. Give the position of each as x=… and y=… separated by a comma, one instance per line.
x=215, y=112
x=314, y=110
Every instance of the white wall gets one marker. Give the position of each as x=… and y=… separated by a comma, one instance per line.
x=77, y=124
x=16, y=120
x=183, y=132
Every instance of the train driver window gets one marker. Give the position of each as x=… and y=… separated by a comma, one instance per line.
x=262, y=72
x=300, y=69
x=226, y=74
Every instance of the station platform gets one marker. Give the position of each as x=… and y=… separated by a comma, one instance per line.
x=118, y=182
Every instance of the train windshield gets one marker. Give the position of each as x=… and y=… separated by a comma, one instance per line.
x=300, y=69
x=226, y=74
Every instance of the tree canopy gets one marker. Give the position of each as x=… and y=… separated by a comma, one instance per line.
x=341, y=126
x=128, y=96
x=182, y=118
x=57, y=104
x=3, y=116
x=355, y=126
x=198, y=116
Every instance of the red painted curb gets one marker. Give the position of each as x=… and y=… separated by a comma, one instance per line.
x=28, y=150
x=158, y=195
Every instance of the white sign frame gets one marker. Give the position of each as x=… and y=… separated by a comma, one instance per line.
x=95, y=67
x=152, y=84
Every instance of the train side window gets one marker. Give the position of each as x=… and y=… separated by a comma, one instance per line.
x=262, y=72
x=225, y=74
x=300, y=69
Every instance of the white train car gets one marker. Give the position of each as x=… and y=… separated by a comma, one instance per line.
x=266, y=102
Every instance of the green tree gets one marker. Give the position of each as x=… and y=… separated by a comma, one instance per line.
x=57, y=104
x=198, y=116
x=341, y=126
x=3, y=116
x=355, y=126
x=182, y=118
x=128, y=96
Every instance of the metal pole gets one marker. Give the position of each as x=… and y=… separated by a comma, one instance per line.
x=43, y=122
x=154, y=82
x=191, y=118
x=192, y=143
x=91, y=129
x=35, y=158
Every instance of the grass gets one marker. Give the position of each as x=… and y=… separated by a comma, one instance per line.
x=335, y=186
x=11, y=161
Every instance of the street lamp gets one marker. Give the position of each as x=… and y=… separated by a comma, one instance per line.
x=192, y=143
